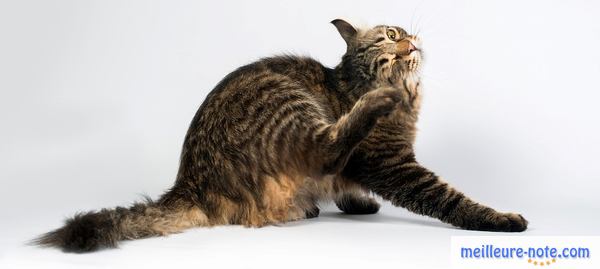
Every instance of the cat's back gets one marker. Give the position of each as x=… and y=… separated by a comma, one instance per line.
x=252, y=98
x=270, y=73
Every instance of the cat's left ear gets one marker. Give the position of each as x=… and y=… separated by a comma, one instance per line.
x=346, y=29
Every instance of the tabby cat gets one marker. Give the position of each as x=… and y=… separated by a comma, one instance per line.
x=276, y=137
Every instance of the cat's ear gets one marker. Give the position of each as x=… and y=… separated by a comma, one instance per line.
x=347, y=31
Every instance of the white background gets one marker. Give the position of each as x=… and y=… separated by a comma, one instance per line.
x=96, y=97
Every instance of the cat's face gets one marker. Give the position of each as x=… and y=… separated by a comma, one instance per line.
x=385, y=47
x=385, y=52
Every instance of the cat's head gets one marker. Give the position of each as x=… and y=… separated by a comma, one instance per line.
x=385, y=53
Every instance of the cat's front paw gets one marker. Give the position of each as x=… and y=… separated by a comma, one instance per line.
x=513, y=222
x=381, y=102
x=504, y=222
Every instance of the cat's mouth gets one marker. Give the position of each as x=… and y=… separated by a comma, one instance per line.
x=415, y=50
x=408, y=55
x=410, y=61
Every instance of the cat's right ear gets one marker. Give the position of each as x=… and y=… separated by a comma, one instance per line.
x=347, y=31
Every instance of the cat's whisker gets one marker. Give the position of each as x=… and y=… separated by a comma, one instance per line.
x=435, y=19
x=412, y=17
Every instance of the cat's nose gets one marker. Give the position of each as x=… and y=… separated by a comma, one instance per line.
x=411, y=47
x=406, y=47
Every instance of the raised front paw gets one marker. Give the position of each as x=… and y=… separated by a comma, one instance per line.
x=502, y=222
x=381, y=102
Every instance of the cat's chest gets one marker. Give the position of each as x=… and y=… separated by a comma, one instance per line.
x=410, y=86
x=400, y=125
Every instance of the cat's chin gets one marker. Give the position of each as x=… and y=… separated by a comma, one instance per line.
x=400, y=77
x=411, y=63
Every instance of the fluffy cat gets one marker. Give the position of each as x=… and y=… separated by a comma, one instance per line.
x=279, y=135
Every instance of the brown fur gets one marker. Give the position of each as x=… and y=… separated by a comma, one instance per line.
x=276, y=137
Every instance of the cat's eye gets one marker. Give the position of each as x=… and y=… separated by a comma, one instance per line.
x=391, y=34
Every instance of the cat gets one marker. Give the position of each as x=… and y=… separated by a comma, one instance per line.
x=277, y=136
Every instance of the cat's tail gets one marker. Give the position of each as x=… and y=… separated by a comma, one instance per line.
x=95, y=230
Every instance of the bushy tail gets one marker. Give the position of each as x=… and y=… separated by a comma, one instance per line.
x=91, y=231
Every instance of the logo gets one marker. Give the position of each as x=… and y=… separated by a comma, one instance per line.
x=524, y=251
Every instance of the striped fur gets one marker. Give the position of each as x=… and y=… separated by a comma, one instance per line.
x=277, y=136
